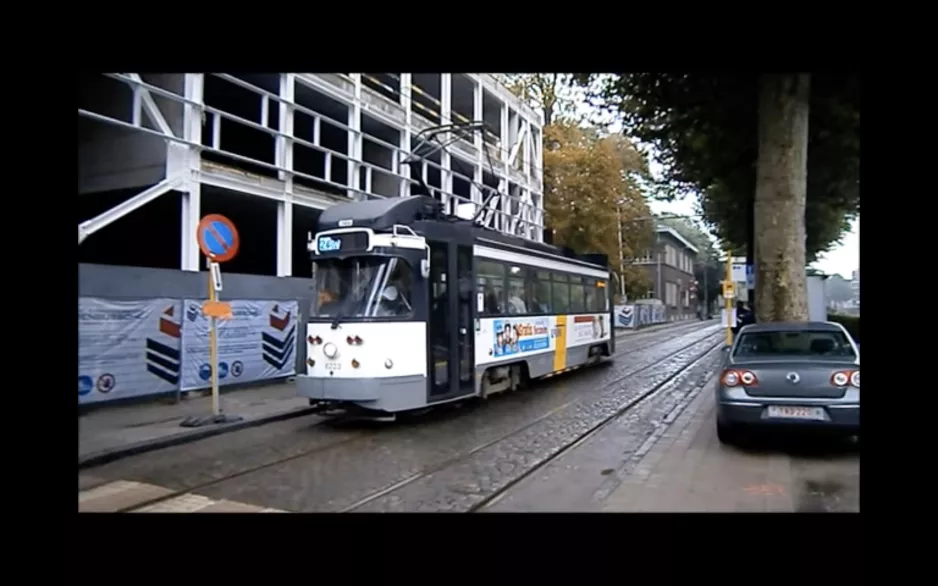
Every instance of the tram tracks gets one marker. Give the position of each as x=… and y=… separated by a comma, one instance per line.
x=603, y=423
x=457, y=459
x=352, y=437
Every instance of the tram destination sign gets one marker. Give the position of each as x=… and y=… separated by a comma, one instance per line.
x=342, y=242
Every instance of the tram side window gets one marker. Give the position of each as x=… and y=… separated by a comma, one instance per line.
x=491, y=284
x=577, y=295
x=561, y=290
x=516, y=301
x=539, y=289
x=595, y=297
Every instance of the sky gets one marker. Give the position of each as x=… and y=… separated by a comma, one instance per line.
x=842, y=260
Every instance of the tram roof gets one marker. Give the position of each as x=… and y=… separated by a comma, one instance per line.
x=424, y=214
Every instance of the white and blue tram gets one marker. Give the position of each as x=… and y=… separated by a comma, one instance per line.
x=413, y=308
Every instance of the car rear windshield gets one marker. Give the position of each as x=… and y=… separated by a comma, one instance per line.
x=804, y=343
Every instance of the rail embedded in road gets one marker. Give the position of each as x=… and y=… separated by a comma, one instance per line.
x=335, y=467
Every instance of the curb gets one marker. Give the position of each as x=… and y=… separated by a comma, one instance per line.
x=114, y=454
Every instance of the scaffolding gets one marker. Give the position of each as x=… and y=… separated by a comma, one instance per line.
x=172, y=108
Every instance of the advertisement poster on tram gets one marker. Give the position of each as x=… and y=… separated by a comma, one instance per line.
x=517, y=336
x=587, y=328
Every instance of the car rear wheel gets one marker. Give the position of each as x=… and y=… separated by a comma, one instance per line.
x=726, y=433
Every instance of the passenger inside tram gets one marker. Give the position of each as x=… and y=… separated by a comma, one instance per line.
x=516, y=305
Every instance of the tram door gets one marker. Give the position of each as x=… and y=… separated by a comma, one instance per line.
x=465, y=331
x=451, y=330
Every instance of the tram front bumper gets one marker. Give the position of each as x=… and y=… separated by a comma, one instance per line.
x=398, y=392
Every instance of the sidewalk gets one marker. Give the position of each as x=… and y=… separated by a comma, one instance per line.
x=111, y=432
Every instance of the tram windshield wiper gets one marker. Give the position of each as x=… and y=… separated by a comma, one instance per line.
x=339, y=316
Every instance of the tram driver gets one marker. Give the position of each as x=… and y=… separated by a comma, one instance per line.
x=328, y=302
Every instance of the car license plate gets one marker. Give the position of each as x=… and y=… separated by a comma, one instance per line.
x=333, y=366
x=786, y=412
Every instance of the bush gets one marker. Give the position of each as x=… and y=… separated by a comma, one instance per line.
x=851, y=322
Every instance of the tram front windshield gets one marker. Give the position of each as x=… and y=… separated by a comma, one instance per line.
x=362, y=286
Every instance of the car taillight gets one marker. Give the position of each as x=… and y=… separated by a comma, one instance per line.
x=732, y=378
x=842, y=378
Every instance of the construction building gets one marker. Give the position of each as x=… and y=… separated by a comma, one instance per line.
x=157, y=152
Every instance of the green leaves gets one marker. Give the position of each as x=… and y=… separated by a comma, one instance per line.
x=704, y=127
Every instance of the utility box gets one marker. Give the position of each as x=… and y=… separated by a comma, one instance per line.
x=817, y=299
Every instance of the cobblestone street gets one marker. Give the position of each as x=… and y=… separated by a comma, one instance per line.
x=690, y=471
x=305, y=465
x=686, y=469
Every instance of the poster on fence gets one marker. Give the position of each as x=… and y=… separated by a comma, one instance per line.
x=127, y=348
x=625, y=316
x=258, y=342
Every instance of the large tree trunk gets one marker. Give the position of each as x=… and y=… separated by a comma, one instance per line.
x=780, y=198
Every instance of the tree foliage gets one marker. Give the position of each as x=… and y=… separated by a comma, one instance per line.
x=548, y=92
x=838, y=289
x=706, y=130
x=704, y=127
x=593, y=181
x=586, y=178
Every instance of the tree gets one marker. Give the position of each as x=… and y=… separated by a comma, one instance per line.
x=548, y=92
x=838, y=289
x=590, y=197
x=737, y=139
x=593, y=181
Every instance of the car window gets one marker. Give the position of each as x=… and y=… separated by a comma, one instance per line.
x=804, y=343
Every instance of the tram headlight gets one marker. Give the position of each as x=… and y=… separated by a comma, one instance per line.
x=388, y=363
x=330, y=350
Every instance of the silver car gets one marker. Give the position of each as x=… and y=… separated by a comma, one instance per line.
x=791, y=375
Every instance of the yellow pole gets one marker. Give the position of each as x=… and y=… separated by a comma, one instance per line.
x=213, y=344
x=726, y=299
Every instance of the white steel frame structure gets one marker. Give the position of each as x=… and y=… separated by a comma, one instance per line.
x=516, y=153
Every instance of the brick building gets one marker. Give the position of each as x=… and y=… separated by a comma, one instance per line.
x=669, y=265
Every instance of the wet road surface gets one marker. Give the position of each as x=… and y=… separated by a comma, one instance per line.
x=308, y=465
x=666, y=458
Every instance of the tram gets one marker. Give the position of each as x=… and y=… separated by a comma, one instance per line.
x=415, y=308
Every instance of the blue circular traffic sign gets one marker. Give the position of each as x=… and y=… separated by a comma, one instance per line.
x=218, y=238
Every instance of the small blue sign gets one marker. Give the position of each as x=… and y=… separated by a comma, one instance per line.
x=205, y=371
x=329, y=244
x=237, y=367
x=222, y=369
x=85, y=384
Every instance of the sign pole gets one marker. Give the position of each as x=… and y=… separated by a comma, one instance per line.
x=213, y=340
x=728, y=300
x=219, y=241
